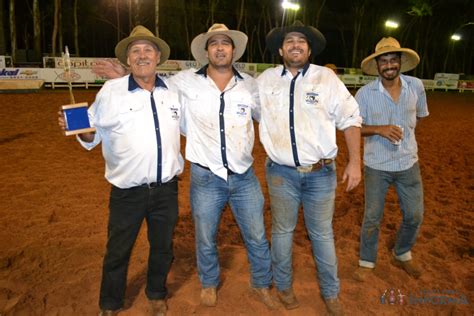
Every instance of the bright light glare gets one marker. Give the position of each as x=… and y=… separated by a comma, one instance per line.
x=391, y=24
x=290, y=6
x=455, y=37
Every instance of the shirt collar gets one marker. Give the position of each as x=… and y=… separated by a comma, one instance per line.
x=303, y=70
x=132, y=84
x=203, y=72
x=380, y=86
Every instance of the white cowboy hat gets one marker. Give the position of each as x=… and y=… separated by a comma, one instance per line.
x=141, y=33
x=410, y=58
x=199, y=43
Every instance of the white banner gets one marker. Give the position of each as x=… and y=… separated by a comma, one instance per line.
x=445, y=76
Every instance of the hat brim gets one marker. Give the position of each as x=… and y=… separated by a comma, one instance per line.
x=198, y=45
x=276, y=36
x=409, y=60
x=122, y=47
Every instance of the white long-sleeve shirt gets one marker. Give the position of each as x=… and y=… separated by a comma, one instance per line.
x=299, y=115
x=218, y=125
x=139, y=131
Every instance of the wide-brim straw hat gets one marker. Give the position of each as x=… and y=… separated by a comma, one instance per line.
x=409, y=58
x=199, y=43
x=315, y=38
x=140, y=32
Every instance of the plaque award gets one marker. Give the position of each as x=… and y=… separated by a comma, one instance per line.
x=75, y=114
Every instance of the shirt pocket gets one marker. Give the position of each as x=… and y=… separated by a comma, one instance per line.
x=274, y=97
x=130, y=115
x=193, y=96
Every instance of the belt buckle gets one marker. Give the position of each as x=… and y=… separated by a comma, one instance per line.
x=305, y=169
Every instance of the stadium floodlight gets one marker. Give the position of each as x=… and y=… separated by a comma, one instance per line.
x=287, y=5
x=391, y=24
x=456, y=37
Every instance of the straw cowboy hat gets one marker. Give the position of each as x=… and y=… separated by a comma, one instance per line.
x=315, y=38
x=141, y=33
x=199, y=43
x=410, y=58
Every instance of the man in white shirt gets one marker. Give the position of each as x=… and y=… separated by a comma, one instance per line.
x=137, y=120
x=219, y=107
x=302, y=104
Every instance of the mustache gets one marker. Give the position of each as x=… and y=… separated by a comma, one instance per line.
x=390, y=69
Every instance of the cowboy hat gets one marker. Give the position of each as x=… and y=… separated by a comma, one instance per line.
x=315, y=38
x=199, y=43
x=141, y=33
x=409, y=59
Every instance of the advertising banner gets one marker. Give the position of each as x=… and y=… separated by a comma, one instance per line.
x=20, y=73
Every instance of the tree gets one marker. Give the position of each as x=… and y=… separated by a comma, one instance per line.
x=37, y=30
x=359, y=12
x=419, y=10
x=212, y=11
x=57, y=4
x=76, y=30
x=241, y=13
x=117, y=14
x=3, y=45
x=13, y=30
x=157, y=18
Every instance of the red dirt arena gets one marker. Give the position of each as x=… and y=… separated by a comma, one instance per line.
x=54, y=209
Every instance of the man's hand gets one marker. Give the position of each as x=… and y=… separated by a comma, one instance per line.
x=87, y=137
x=108, y=68
x=352, y=174
x=61, y=121
x=391, y=132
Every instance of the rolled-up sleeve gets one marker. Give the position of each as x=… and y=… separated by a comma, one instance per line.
x=346, y=110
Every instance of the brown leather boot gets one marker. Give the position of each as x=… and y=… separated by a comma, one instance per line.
x=362, y=273
x=209, y=296
x=265, y=297
x=158, y=307
x=334, y=307
x=288, y=299
x=409, y=266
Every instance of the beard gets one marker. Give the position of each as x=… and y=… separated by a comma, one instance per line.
x=395, y=72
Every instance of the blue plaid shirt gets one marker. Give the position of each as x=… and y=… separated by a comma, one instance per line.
x=378, y=108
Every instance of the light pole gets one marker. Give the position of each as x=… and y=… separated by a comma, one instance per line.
x=455, y=37
x=288, y=5
x=391, y=25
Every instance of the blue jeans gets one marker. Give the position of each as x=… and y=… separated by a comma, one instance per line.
x=409, y=189
x=209, y=194
x=289, y=189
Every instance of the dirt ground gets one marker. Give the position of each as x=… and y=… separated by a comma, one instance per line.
x=53, y=220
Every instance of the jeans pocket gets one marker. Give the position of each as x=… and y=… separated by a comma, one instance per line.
x=200, y=176
x=330, y=167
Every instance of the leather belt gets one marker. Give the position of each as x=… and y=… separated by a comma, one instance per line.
x=229, y=172
x=157, y=184
x=315, y=167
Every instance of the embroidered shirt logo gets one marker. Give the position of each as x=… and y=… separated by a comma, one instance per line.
x=312, y=98
x=242, y=109
x=174, y=113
